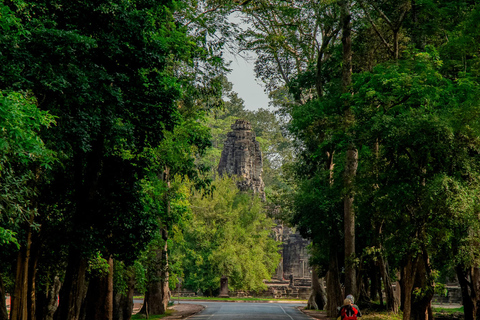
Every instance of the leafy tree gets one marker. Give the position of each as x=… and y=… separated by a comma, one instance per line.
x=425, y=162
x=22, y=152
x=104, y=70
x=325, y=125
x=175, y=155
x=23, y=157
x=228, y=235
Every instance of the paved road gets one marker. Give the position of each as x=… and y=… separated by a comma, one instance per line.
x=246, y=310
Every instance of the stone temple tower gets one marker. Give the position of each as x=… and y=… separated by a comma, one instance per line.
x=241, y=156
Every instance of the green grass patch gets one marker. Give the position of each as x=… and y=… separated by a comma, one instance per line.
x=447, y=310
x=444, y=313
x=368, y=314
x=448, y=313
x=152, y=317
x=227, y=299
x=235, y=299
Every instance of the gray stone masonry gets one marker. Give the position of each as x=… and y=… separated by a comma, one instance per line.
x=241, y=156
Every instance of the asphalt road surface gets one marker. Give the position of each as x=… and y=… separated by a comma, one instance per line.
x=245, y=310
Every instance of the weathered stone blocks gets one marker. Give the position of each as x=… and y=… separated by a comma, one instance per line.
x=242, y=156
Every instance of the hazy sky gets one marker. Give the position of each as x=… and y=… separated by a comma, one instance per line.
x=244, y=83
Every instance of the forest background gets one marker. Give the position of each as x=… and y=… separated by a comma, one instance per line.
x=113, y=114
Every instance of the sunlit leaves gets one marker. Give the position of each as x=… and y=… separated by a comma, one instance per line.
x=229, y=234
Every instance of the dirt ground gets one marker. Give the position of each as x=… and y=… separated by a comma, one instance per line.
x=319, y=314
x=181, y=310
x=316, y=314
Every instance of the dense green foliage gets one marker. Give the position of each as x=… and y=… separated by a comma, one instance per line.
x=23, y=154
x=411, y=113
x=229, y=235
x=128, y=84
x=115, y=76
x=108, y=110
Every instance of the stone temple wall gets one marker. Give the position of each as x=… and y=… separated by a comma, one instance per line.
x=294, y=256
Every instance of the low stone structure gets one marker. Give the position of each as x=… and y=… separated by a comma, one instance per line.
x=223, y=287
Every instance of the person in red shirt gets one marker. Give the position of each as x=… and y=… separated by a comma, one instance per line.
x=349, y=310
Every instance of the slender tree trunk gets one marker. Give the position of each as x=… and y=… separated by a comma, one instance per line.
x=361, y=285
x=32, y=278
x=395, y=44
x=380, y=292
x=165, y=274
x=319, y=78
x=408, y=278
x=374, y=282
x=73, y=291
x=349, y=222
x=351, y=155
x=47, y=302
x=334, y=290
x=392, y=303
x=3, y=305
x=19, y=308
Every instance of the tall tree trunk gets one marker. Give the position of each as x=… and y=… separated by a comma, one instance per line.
x=470, y=296
x=317, y=299
x=156, y=297
x=99, y=299
x=334, y=290
x=165, y=274
x=361, y=287
x=416, y=274
x=319, y=77
x=422, y=305
x=468, y=301
x=380, y=292
x=374, y=282
x=19, y=308
x=407, y=281
x=158, y=293
x=351, y=155
x=32, y=278
x=349, y=221
x=123, y=302
x=47, y=302
x=73, y=291
x=392, y=303
x=3, y=305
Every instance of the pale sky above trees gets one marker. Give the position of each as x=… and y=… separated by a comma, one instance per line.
x=245, y=84
x=243, y=78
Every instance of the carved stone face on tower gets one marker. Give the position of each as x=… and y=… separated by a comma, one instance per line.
x=241, y=156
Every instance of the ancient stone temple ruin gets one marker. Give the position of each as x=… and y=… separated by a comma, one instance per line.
x=241, y=156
